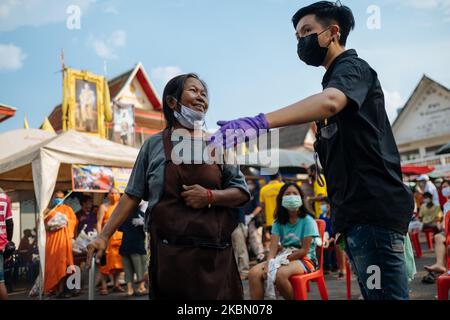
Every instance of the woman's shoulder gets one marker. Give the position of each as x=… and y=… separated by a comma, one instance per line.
x=152, y=146
x=276, y=225
x=308, y=219
x=153, y=140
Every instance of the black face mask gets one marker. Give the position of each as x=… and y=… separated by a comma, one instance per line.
x=310, y=51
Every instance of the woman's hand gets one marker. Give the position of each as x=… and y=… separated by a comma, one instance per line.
x=293, y=255
x=195, y=196
x=97, y=246
x=265, y=268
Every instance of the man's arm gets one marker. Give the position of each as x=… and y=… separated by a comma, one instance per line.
x=317, y=107
x=9, y=221
x=257, y=211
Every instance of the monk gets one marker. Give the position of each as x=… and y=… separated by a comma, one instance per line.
x=58, y=248
x=113, y=260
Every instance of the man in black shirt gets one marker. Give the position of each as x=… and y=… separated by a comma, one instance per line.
x=370, y=205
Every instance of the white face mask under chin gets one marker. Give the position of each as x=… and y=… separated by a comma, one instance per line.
x=189, y=118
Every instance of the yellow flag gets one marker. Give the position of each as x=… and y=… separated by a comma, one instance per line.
x=47, y=126
x=107, y=101
x=25, y=123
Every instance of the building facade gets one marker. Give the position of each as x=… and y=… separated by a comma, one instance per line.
x=132, y=88
x=423, y=125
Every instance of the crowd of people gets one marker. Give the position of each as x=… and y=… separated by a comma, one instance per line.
x=200, y=215
x=126, y=256
x=253, y=236
x=279, y=216
x=432, y=205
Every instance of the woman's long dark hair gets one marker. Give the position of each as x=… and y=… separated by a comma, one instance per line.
x=281, y=213
x=174, y=88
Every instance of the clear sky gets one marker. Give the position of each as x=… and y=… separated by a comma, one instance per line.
x=244, y=49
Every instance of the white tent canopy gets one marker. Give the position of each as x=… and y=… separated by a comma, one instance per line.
x=49, y=160
x=46, y=164
x=14, y=141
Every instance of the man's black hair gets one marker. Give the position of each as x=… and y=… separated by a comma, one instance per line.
x=328, y=13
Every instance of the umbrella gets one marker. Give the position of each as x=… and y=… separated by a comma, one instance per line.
x=411, y=169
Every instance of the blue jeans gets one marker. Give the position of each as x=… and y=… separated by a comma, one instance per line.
x=378, y=259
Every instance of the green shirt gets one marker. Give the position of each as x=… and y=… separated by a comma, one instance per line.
x=291, y=235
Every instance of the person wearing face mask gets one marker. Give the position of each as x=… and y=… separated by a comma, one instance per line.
x=355, y=146
x=296, y=229
x=425, y=185
x=430, y=214
x=114, y=264
x=60, y=223
x=440, y=239
x=439, y=186
x=189, y=214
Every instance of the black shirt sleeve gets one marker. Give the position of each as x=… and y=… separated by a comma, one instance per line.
x=354, y=79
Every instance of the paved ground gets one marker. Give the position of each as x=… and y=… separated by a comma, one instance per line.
x=336, y=288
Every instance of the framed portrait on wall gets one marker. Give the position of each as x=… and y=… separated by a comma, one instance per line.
x=86, y=115
x=86, y=102
x=123, y=124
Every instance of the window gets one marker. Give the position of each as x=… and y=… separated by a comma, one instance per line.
x=431, y=151
x=410, y=155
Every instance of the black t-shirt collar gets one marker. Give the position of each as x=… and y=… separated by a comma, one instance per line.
x=347, y=53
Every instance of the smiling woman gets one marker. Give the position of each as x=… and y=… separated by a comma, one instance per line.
x=185, y=99
x=189, y=213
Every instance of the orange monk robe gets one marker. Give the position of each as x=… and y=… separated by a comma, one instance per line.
x=113, y=258
x=58, y=248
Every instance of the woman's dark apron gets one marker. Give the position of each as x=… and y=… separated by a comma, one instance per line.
x=191, y=252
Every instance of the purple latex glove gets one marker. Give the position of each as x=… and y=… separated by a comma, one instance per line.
x=237, y=131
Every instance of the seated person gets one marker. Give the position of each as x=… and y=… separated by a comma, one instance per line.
x=430, y=214
x=26, y=247
x=87, y=220
x=440, y=245
x=296, y=228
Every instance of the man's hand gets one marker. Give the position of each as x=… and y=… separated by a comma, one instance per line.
x=237, y=131
x=195, y=196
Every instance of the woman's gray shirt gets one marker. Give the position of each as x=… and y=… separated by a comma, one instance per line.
x=147, y=178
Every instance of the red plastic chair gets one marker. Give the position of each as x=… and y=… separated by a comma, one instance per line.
x=429, y=234
x=414, y=237
x=443, y=282
x=348, y=278
x=300, y=282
